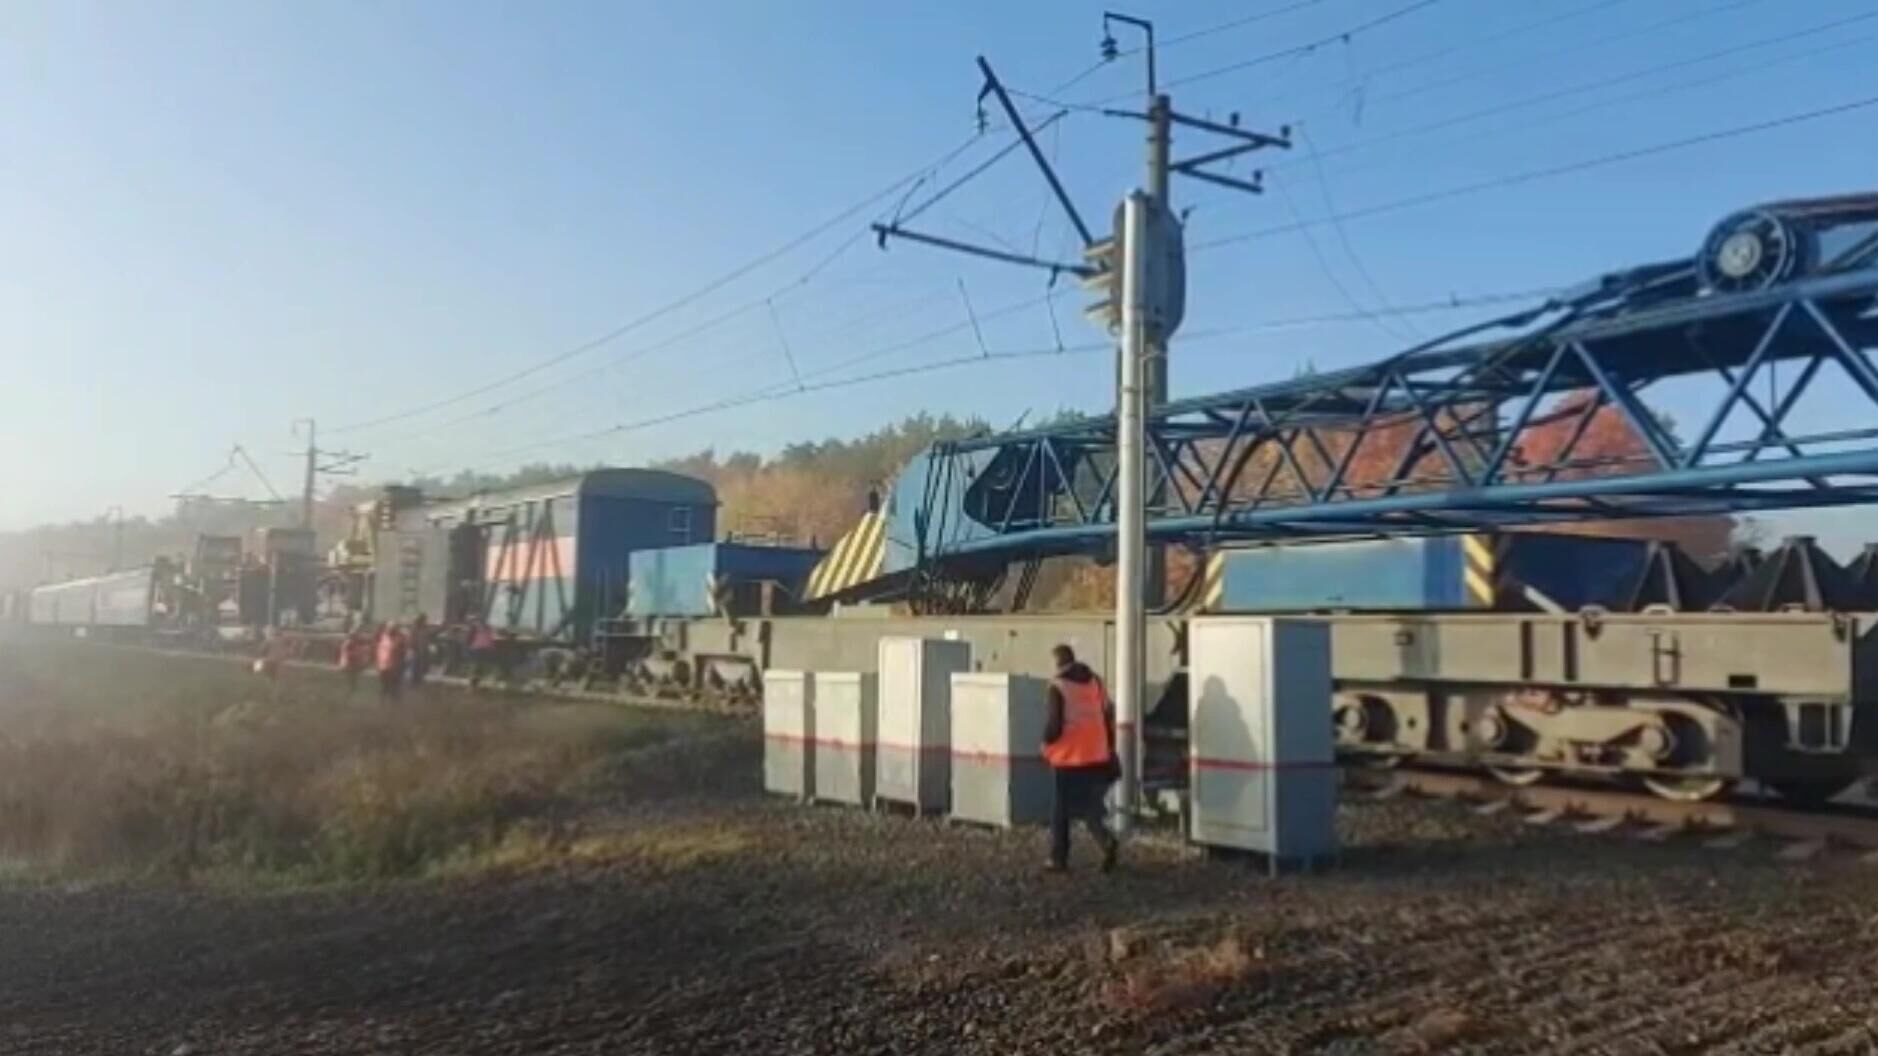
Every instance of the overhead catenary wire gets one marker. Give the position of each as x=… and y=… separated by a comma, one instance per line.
x=1335, y=217
x=924, y=338
x=632, y=355
x=242, y=453
x=1555, y=52
x=911, y=184
x=1340, y=36
x=972, y=316
x=1479, y=43
x=901, y=217
x=228, y=466
x=1227, y=26
x=1330, y=274
x=1622, y=100
x=1530, y=123
x=1343, y=234
x=1547, y=172
x=1469, y=44
x=668, y=307
x=1316, y=156
x=1053, y=97
x=903, y=213
x=782, y=341
x=1179, y=39
x=775, y=392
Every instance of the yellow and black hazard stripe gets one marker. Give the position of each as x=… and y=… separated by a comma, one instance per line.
x=855, y=559
x=717, y=590
x=1206, y=595
x=1213, y=582
x=1478, y=573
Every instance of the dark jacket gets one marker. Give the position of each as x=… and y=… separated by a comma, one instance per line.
x=1078, y=673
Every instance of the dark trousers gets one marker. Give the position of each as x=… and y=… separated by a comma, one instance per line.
x=482, y=665
x=1079, y=793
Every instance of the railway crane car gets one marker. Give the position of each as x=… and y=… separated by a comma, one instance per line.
x=1457, y=635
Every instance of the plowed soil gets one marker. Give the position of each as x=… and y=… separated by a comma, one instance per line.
x=680, y=921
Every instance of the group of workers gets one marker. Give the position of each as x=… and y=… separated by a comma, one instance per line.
x=398, y=654
x=1078, y=737
x=395, y=652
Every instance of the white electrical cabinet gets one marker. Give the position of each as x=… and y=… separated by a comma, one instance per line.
x=912, y=754
x=1261, y=764
x=789, y=733
x=999, y=776
x=845, y=722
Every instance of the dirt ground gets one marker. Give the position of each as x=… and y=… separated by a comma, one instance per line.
x=699, y=916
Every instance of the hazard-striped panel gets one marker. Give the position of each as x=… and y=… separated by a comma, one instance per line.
x=1212, y=589
x=856, y=558
x=1213, y=583
x=1477, y=573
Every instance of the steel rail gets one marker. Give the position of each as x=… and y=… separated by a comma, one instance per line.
x=1813, y=829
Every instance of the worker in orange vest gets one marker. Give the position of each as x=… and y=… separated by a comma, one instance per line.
x=355, y=655
x=272, y=659
x=482, y=650
x=1079, y=744
x=390, y=657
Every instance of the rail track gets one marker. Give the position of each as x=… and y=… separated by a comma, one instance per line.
x=1727, y=824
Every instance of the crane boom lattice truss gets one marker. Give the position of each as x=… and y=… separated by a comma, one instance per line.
x=1277, y=461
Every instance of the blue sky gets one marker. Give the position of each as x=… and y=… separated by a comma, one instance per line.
x=218, y=217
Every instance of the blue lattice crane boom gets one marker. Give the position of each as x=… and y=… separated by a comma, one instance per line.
x=1778, y=299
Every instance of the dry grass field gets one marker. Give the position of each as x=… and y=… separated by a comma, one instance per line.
x=119, y=763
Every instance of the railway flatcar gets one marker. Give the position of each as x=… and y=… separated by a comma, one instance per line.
x=1527, y=655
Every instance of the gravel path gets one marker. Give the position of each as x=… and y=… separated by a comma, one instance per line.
x=735, y=924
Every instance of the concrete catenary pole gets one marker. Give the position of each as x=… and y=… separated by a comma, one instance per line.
x=117, y=537
x=312, y=474
x=1154, y=367
x=1131, y=512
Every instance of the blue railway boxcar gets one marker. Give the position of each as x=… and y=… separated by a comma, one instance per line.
x=711, y=578
x=1511, y=570
x=546, y=561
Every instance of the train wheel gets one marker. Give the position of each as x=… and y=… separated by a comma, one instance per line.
x=1517, y=775
x=1689, y=788
x=1809, y=793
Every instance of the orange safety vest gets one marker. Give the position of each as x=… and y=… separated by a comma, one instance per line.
x=390, y=652
x=1085, y=737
